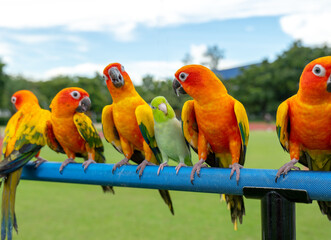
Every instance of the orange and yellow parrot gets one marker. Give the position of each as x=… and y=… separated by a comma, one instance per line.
x=72, y=132
x=215, y=125
x=24, y=137
x=303, y=123
x=128, y=124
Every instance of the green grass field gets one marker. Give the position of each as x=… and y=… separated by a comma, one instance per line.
x=72, y=211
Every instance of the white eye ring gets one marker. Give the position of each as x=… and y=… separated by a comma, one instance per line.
x=75, y=95
x=182, y=76
x=122, y=68
x=105, y=77
x=13, y=100
x=319, y=70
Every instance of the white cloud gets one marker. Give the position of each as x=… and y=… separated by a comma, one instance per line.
x=86, y=69
x=122, y=17
x=310, y=28
x=6, y=52
x=32, y=39
x=197, y=53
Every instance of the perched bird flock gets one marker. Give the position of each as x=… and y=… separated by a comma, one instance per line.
x=213, y=124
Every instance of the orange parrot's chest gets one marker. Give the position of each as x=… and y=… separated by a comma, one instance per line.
x=218, y=124
x=310, y=125
x=126, y=123
x=67, y=135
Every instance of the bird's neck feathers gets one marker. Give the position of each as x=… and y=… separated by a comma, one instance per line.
x=60, y=109
x=29, y=106
x=313, y=94
x=118, y=94
x=207, y=90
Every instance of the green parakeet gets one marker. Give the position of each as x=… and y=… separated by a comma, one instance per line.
x=169, y=135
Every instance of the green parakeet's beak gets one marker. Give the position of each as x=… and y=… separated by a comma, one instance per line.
x=163, y=108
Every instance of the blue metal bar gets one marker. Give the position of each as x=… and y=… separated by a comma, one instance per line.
x=212, y=180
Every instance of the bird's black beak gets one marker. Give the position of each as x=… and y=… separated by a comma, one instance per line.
x=328, y=85
x=14, y=107
x=116, y=77
x=178, y=88
x=84, y=105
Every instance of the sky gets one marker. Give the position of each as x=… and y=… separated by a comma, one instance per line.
x=41, y=39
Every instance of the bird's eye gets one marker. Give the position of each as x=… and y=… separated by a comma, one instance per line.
x=75, y=94
x=152, y=107
x=319, y=71
x=122, y=68
x=13, y=100
x=105, y=77
x=183, y=76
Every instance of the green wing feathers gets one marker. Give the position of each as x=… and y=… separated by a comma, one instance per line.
x=10, y=131
x=282, y=126
x=145, y=121
x=243, y=126
x=25, y=136
x=87, y=131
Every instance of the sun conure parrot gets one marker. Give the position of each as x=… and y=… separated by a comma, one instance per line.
x=72, y=132
x=128, y=123
x=169, y=135
x=303, y=122
x=24, y=137
x=215, y=125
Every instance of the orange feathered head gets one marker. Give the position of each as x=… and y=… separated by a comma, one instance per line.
x=315, y=81
x=70, y=100
x=117, y=79
x=197, y=80
x=23, y=97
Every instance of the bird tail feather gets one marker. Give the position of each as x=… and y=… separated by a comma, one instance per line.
x=237, y=208
x=325, y=208
x=167, y=199
x=8, y=221
x=100, y=158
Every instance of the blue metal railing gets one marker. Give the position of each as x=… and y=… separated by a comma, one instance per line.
x=212, y=180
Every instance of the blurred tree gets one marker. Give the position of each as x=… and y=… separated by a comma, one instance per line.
x=3, y=81
x=152, y=88
x=261, y=88
x=214, y=54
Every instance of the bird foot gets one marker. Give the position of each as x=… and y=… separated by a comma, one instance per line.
x=87, y=163
x=197, y=167
x=286, y=168
x=162, y=165
x=236, y=168
x=65, y=163
x=124, y=161
x=39, y=161
x=179, y=167
x=142, y=166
